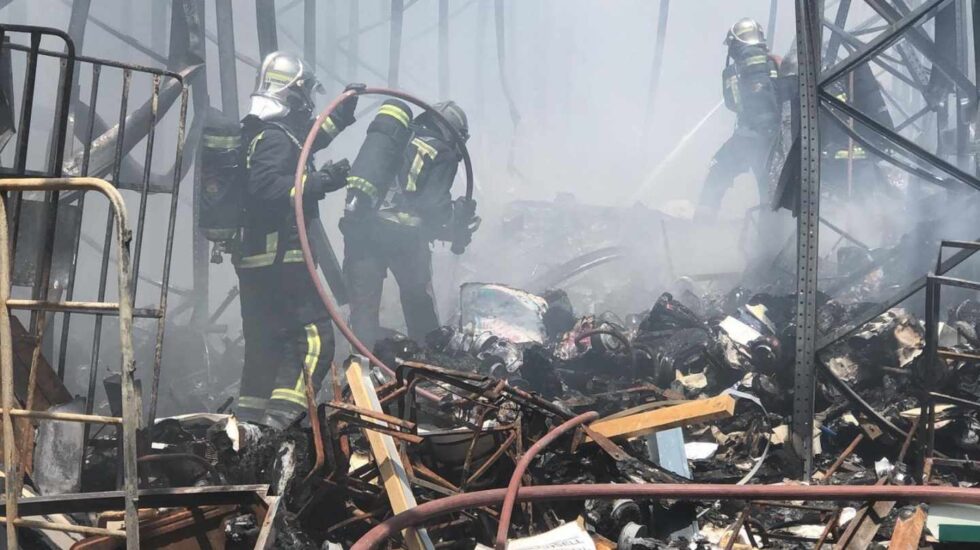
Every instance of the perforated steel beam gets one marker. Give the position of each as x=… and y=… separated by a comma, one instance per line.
x=808, y=26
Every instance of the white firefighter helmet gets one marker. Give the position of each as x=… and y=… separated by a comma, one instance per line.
x=747, y=31
x=284, y=84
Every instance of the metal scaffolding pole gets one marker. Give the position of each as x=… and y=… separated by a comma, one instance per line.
x=227, y=69
x=658, y=58
x=309, y=32
x=395, y=42
x=353, y=49
x=808, y=44
x=443, y=49
x=265, y=23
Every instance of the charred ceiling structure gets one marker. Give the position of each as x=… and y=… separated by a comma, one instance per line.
x=806, y=413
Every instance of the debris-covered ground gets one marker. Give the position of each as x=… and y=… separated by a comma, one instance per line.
x=693, y=389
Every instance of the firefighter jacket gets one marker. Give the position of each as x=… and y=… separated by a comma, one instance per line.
x=269, y=234
x=420, y=197
x=861, y=90
x=749, y=88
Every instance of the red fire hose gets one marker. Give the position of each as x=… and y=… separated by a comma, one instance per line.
x=304, y=240
x=515, y=480
x=674, y=491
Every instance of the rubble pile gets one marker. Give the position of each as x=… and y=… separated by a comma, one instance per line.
x=694, y=389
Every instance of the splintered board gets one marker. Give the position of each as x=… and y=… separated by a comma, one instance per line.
x=684, y=414
x=386, y=454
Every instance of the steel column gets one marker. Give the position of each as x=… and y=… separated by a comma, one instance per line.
x=227, y=69
x=265, y=22
x=808, y=44
x=658, y=58
x=395, y=42
x=444, y=50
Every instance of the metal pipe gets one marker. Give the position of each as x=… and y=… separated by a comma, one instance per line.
x=673, y=491
x=65, y=417
x=7, y=376
x=515, y=479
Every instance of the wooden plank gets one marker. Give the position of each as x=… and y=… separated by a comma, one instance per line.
x=386, y=454
x=49, y=390
x=685, y=414
x=908, y=529
x=862, y=529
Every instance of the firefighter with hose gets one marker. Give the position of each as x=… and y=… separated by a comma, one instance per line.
x=285, y=325
x=398, y=203
x=750, y=91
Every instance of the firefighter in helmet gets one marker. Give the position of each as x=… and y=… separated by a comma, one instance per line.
x=398, y=203
x=286, y=327
x=749, y=88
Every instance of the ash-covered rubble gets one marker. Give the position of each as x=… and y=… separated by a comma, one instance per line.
x=516, y=365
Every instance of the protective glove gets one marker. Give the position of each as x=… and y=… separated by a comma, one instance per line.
x=330, y=177
x=343, y=115
x=464, y=223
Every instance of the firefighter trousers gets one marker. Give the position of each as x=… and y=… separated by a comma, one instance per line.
x=369, y=253
x=743, y=152
x=286, y=329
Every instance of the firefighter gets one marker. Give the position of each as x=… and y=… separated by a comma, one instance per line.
x=398, y=202
x=749, y=88
x=285, y=325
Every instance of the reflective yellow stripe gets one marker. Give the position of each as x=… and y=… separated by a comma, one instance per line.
x=396, y=112
x=277, y=76
x=293, y=396
x=251, y=149
x=423, y=150
x=756, y=59
x=292, y=190
x=363, y=185
x=272, y=241
x=312, y=354
x=859, y=153
x=329, y=127
x=402, y=218
x=262, y=260
x=222, y=142
x=247, y=401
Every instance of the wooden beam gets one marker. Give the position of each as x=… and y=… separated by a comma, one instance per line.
x=908, y=529
x=386, y=454
x=684, y=414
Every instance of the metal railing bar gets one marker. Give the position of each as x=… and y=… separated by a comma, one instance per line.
x=86, y=158
x=144, y=193
x=167, y=257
